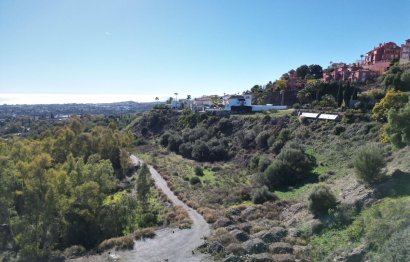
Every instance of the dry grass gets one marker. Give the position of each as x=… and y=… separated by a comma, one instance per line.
x=125, y=242
x=192, y=204
x=144, y=233
x=181, y=215
x=210, y=215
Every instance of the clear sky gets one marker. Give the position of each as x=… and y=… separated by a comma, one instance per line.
x=148, y=48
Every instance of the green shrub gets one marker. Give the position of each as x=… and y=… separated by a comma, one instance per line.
x=398, y=127
x=200, y=151
x=277, y=146
x=263, y=163
x=284, y=135
x=163, y=141
x=174, y=141
x=198, y=171
x=262, y=140
x=397, y=248
x=368, y=163
x=321, y=199
x=261, y=195
x=290, y=167
x=185, y=150
x=195, y=180
x=338, y=129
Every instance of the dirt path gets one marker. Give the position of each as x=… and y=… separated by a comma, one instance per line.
x=170, y=245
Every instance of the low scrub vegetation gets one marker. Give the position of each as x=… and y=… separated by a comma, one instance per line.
x=321, y=199
x=125, y=242
x=369, y=163
x=378, y=227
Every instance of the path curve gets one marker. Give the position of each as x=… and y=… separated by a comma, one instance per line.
x=171, y=245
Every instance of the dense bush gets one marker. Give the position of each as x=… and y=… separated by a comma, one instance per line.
x=397, y=248
x=194, y=180
x=338, y=129
x=185, y=150
x=368, y=163
x=174, y=141
x=261, y=195
x=321, y=199
x=263, y=163
x=262, y=139
x=200, y=151
x=290, y=167
x=393, y=100
x=225, y=126
x=198, y=171
x=398, y=127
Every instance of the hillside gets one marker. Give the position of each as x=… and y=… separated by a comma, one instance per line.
x=226, y=167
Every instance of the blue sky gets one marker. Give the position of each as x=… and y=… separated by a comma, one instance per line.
x=151, y=48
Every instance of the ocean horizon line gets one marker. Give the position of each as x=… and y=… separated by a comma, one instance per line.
x=53, y=98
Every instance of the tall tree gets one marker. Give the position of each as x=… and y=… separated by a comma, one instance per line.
x=143, y=186
x=302, y=71
x=316, y=71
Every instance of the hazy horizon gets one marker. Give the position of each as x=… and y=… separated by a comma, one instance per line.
x=36, y=99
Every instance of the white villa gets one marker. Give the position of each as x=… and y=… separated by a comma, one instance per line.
x=239, y=103
x=231, y=102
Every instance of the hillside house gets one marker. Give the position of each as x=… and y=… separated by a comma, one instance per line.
x=405, y=52
x=352, y=73
x=243, y=103
x=380, y=57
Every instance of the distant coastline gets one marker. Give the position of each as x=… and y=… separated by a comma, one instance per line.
x=37, y=99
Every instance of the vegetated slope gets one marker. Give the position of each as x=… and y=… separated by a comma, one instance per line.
x=224, y=191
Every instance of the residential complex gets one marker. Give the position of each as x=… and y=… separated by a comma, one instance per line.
x=375, y=63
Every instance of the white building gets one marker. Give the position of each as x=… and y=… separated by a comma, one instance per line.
x=232, y=102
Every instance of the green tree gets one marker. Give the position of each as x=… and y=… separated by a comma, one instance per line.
x=143, y=186
x=302, y=71
x=398, y=126
x=316, y=71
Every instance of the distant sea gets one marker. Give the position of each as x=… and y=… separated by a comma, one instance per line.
x=18, y=99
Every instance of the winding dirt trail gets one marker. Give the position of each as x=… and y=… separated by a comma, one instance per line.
x=170, y=244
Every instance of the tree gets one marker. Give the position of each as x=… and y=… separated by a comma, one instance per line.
x=256, y=89
x=302, y=71
x=398, y=127
x=143, y=186
x=316, y=71
x=125, y=162
x=393, y=100
x=314, y=86
x=368, y=163
x=281, y=84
